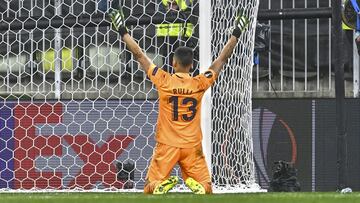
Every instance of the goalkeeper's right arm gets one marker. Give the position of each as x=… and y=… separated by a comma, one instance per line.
x=241, y=23
x=118, y=21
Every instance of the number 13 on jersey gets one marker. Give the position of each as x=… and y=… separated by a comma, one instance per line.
x=185, y=102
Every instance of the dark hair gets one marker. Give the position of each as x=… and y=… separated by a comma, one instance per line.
x=184, y=55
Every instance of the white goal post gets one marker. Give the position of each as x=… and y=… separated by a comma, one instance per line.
x=76, y=113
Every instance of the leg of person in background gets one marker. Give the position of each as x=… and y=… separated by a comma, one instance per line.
x=357, y=41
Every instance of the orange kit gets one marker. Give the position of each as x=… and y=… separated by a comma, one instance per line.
x=178, y=133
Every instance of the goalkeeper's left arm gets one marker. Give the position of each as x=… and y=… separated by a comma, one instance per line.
x=241, y=23
x=118, y=21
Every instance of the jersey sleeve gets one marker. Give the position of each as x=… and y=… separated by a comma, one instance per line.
x=207, y=79
x=158, y=76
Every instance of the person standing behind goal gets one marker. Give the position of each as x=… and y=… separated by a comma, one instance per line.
x=178, y=134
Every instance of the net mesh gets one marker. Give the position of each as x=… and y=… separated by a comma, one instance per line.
x=232, y=156
x=77, y=114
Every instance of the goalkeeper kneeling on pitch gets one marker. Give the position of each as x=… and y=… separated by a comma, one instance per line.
x=178, y=133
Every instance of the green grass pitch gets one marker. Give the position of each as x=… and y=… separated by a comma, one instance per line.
x=316, y=197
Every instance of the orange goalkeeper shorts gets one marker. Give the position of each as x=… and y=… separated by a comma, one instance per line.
x=191, y=160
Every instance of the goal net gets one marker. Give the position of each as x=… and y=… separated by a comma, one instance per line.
x=77, y=114
x=232, y=148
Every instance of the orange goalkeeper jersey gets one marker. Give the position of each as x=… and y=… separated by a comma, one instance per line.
x=180, y=97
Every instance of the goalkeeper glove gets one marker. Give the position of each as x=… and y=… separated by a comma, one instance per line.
x=118, y=21
x=241, y=23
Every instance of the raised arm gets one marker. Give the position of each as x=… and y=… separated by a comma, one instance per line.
x=241, y=23
x=225, y=54
x=140, y=56
x=118, y=20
